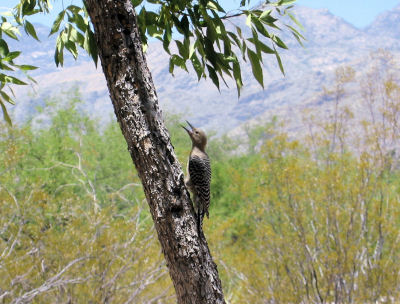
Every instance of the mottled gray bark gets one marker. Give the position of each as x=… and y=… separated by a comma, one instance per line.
x=193, y=272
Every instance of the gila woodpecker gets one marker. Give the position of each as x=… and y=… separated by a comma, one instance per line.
x=199, y=173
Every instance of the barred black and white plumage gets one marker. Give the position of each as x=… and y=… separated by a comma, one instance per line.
x=198, y=178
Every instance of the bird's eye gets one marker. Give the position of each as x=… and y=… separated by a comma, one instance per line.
x=197, y=132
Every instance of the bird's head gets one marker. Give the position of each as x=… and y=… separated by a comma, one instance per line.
x=198, y=137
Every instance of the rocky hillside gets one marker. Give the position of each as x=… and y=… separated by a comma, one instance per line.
x=331, y=42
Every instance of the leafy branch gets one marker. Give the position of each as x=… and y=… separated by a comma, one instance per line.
x=8, y=67
x=206, y=42
x=200, y=29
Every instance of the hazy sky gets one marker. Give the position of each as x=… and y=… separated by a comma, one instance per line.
x=358, y=12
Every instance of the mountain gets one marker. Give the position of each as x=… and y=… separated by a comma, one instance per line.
x=387, y=24
x=331, y=42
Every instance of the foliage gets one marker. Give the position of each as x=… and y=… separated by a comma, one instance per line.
x=324, y=230
x=316, y=220
x=204, y=33
x=7, y=64
x=74, y=226
x=212, y=41
x=312, y=220
x=307, y=220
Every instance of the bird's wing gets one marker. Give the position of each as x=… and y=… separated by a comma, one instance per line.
x=200, y=176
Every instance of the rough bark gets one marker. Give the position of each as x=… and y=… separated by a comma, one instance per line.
x=193, y=272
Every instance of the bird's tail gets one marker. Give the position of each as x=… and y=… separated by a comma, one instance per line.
x=200, y=217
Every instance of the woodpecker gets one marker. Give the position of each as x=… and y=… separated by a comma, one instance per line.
x=198, y=172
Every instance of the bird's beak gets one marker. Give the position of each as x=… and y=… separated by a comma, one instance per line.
x=190, y=125
x=187, y=130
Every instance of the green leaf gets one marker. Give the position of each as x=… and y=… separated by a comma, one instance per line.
x=6, y=97
x=213, y=5
x=286, y=2
x=57, y=22
x=237, y=74
x=11, y=34
x=25, y=67
x=30, y=78
x=248, y=20
x=154, y=31
x=255, y=41
x=227, y=45
x=11, y=56
x=151, y=18
x=223, y=64
x=234, y=38
x=28, y=8
x=5, y=113
x=209, y=50
x=90, y=45
x=296, y=21
x=183, y=49
x=79, y=21
x=192, y=49
x=211, y=34
x=256, y=66
x=262, y=46
x=265, y=14
x=239, y=31
x=175, y=60
x=11, y=79
x=93, y=47
x=268, y=19
x=197, y=66
x=298, y=38
x=72, y=33
x=3, y=48
x=74, y=9
x=59, y=43
x=260, y=28
x=213, y=75
x=59, y=56
x=9, y=30
x=30, y=29
x=294, y=31
x=185, y=25
x=167, y=38
x=278, y=58
x=71, y=47
x=136, y=2
x=171, y=66
x=12, y=91
x=5, y=67
x=64, y=35
x=243, y=50
x=279, y=42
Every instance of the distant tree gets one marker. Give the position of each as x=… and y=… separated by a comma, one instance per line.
x=75, y=227
x=113, y=31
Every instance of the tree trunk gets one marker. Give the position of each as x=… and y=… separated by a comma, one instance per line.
x=193, y=272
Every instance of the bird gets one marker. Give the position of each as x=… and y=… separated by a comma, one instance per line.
x=198, y=177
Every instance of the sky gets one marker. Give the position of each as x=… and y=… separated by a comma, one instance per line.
x=360, y=13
